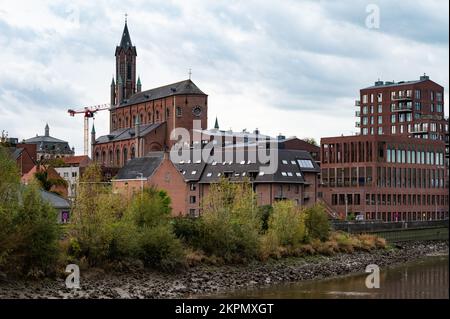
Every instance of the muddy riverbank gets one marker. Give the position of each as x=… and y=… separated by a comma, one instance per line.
x=141, y=283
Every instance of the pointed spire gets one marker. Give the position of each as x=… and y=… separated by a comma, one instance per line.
x=47, y=130
x=216, y=125
x=93, y=129
x=112, y=81
x=125, y=42
x=139, y=80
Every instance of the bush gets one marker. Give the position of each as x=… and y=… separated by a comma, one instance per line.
x=317, y=223
x=264, y=213
x=40, y=233
x=230, y=222
x=287, y=224
x=159, y=248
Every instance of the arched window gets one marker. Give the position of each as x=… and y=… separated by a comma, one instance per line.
x=125, y=155
x=120, y=122
x=142, y=118
x=103, y=157
x=133, y=152
x=167, y=112
x=126, y=122
x=97, y=157
x=129, y=71
x=111, y=158
x=150, y=117
x=118, y=157
x=134, y=120
x=157, y=115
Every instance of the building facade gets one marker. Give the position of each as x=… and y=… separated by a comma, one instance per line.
x=141, y=121
x=188, y=183
x=48, y=147
x=396, y=168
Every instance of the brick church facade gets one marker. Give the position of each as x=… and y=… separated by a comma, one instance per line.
x=141, y=121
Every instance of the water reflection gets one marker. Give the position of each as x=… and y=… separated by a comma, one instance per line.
x=424, y=279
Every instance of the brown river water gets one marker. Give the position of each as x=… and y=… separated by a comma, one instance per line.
x=423, y=279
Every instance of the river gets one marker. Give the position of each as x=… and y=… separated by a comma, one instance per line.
x=423, y=279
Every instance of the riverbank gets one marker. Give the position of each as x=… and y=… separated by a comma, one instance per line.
x=200, y=280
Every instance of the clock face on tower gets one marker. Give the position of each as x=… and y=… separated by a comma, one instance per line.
x=197, y=110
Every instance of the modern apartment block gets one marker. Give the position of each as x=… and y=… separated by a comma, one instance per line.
x=397, y=167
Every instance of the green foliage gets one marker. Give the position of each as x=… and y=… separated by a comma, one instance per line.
x=189, y=230
x=46, y=182
x=264, y=213
x=317, y=222
x=287, y=224
x=230, y=221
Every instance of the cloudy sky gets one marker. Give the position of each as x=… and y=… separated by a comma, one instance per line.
x=291, y=67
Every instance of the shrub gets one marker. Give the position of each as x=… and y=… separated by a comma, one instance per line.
x=230, y=222
x=158, y=247
x=287, y=224
x=264, y=213
x=189, y=230
x=317, y=223
x=36, y=222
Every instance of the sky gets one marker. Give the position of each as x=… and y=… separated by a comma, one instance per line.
x=289, y=67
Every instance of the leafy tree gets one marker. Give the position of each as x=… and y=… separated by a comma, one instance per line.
x=46, y=182
x=317, y=222
x=287, y=224
x=311, y=141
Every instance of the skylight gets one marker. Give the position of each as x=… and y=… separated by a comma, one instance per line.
x=209, y=174
x=305, y=163
x=284, y=173
x=290, y=174
x=284, y=161
x=194, y=172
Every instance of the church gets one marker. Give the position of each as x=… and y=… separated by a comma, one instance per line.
x=141, y=121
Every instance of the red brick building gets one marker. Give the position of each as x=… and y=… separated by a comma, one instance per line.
x=141, y=121
x=187, y=183
x=397, y=167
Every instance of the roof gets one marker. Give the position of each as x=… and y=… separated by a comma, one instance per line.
x=127, y=133
x=289, y=169
x=178, y=88
x=145, y=165
x=81, y=159
x=125, y=42
x=45, y=139
x=15, y=152
x=381, y=84
x=55, y=200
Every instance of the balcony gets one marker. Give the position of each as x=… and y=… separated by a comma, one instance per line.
x=419, y=131
x=357, y=124
x=402, y=98
x=357, y=103
x=400, y=109
x=357, y=113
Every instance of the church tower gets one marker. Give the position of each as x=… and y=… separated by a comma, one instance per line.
x=125, y=67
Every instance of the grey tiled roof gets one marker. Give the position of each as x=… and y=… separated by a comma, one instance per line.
x=127, y=133
x=179, y=88
x=145, y=165
x=55, y=200
x=15, y=152
x=45, y=139
x=286, y=173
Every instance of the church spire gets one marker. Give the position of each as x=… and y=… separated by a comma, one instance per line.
x=216, y=125
x=126, y=39
x=47, y=130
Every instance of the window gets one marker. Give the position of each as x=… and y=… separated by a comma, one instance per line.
x=439, y=96
x=305, y=163
x=284, y=162
x=192, y=199
x=380, y=108
x=432, y=95
x=192, y=187
x=66, y=174
x=298, y=174
x=417, y=94
x=261, y=173
x=364, y=109
x=293, y=162
x=179, y=111
x=380, y=130
x=209, y=174
x=371, y=120
x=401, y=129
x=192, y=212
x=193, y=172
x=364, y=122
x=393, y=118
x=393, y=129
x=380, y=97
x=290, y=174
x=408, y=117
x=364, y=98
x=371, y=98
x=284, y=173
x=74, y=174
x=365, y=131
x=380, y=119
x=418, y=106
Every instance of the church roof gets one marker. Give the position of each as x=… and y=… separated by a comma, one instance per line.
x=126, y=39
x=126, y=133
x=178, y=88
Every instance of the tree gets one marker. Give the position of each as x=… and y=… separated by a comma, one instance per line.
x=317, y=222
x=47, y=183
x=310, y=140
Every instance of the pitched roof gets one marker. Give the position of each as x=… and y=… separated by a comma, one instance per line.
x=127, y=133
x=15, y=152
x=55, y=200
x=80, y=160
x=145, y=165
x=178, y=88
x=125, y=42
